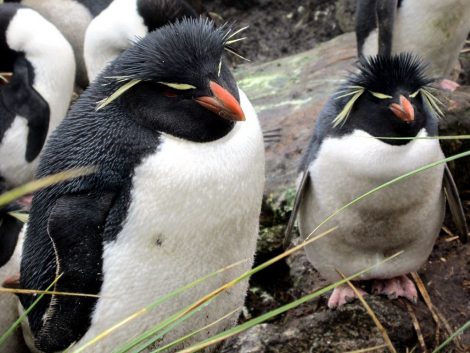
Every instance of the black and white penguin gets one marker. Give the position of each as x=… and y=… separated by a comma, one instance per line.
x=176, y=193
x=435, y=30
x=122, y=23
x=387, y=97
x=38, y=70
x=72, y=18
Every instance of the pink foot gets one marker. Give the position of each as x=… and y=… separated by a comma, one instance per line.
x=396, y=287
x=449, y=85
x=341, y=295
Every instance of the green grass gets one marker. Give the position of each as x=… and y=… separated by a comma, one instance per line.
x=158, y=331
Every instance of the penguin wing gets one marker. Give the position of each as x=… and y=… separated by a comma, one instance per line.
x=365, y=22
x=304, y=175
x=22, y=99
x=75, y=227
x=455, y=205
x=301, y=189
x=10, y=229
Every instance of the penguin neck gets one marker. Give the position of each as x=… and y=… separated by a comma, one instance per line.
x=51, y=57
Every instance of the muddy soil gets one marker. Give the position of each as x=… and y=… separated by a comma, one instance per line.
x=277, y=27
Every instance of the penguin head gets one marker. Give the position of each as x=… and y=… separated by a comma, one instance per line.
x=389, y=96
x=176, y=81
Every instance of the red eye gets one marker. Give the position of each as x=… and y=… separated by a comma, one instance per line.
x=171, y=94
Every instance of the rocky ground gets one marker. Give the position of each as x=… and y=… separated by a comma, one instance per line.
x=288, y=91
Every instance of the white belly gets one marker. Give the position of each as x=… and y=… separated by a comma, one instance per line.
x=405, y=216
x=195, y=209
x=434, y=29
x=13, y=165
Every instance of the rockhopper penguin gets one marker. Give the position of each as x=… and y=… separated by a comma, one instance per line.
x=387, y=97
x=176, y=193
x=435, y=30
x=35, y=90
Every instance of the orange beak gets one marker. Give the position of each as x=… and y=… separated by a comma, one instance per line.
x=404, y=110
x=222, y=103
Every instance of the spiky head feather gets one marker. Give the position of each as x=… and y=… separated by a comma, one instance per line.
x=386, y=74
x=383, y=76
x=187, y=51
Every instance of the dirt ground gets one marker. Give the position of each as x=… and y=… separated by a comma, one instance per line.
x=277, y=27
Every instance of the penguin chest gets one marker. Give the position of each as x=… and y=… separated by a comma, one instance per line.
x=404, y=216
x=194, y=210
x=13, y=166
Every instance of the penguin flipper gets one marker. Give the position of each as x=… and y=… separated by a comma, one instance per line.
x=386, y=11
x=301, y=189
x=22, y=99
x=455, y=204
x=365, y=22
x=75, y=227
x=10, y=229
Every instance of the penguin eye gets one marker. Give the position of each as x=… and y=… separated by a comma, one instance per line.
x=170, y=94
x=172, y=89
x=413, y=95
x=380, y=95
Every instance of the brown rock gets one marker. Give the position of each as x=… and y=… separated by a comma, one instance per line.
x=289, y=93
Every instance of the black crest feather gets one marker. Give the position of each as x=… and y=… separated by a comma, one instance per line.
x=385, y=74
x=163, y=54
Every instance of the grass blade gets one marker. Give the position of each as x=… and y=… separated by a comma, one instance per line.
x=152, y=306
x=184, y=338
x=36, y=185
x=18, y=322
x=459, y=331
x=371, y=349
x=417, y=328
x=454, y=137
x=285, y=254
x=168, y=328
x=216, y=292
x=273, y=313
x=374, y=317
x=45, y=292
x=388, y=183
